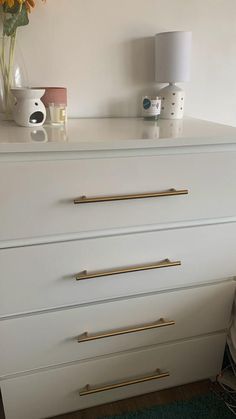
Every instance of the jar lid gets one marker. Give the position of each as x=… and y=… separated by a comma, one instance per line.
x=55, y=95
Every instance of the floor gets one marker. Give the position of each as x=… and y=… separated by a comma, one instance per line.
x=136, y=403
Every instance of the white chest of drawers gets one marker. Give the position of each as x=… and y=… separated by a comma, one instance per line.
x=117, y=260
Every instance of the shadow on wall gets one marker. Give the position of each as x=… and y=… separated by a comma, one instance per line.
x=137, y=56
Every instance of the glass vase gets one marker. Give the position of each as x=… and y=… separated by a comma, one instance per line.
x=13, y=73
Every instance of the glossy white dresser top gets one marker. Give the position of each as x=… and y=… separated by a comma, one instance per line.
x=114, y=134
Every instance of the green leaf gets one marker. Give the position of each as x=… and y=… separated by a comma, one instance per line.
x=13, y=9
x=16, y=19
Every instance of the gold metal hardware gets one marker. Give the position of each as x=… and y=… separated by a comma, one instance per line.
x=166, y=263
x=161, y=323
x=91, y=390
x=169, y=192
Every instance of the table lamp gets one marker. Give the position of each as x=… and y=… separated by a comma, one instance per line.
x=172, y=64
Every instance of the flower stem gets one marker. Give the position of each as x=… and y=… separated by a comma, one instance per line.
x=3, y=69
x=9, y=73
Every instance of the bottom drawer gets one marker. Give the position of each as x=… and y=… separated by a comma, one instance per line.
x=56, y=391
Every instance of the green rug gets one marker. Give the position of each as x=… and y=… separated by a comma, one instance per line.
x=203, y=407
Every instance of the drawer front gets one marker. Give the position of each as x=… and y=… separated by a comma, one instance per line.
x=28, y=397
x=44, y=276
x=37, y=198
x=69, y=335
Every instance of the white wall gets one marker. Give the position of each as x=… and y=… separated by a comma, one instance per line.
x=102, y=50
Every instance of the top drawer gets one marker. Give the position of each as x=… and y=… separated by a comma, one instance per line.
x=37, y=198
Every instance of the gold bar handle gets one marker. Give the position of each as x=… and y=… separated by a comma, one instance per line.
x=91, y=390
x=166, y=263
x=160, y=323
x=169, y=192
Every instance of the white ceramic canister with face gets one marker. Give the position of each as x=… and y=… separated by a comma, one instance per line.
x=28, y=110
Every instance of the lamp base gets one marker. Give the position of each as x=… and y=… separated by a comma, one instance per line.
x=172, y=102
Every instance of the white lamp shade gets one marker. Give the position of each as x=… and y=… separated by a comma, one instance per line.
x=172, y=56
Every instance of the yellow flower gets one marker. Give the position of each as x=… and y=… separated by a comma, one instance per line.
x=9, y=3
x=29, y=3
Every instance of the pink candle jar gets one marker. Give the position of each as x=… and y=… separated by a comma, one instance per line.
x=55, y=102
